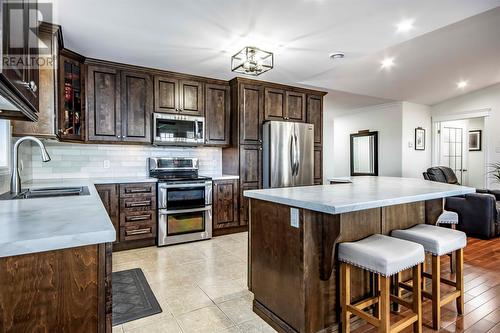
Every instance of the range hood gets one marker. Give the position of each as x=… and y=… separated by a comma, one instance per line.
x=12, y=107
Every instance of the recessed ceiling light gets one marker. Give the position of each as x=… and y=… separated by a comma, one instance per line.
x=387, y=63
x=462, y=84
x=405, y=25
x=337, y=55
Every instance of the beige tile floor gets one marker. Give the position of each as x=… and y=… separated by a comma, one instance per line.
x=201, y=287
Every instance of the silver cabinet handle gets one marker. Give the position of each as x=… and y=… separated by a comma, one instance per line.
x=138, y=218
x=139, y=204
x=30, y=86
x=138, y=231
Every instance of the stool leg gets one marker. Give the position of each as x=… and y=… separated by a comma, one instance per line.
x=417, y=298
x=423, y=271
x=453, y=257
x=397, y=291
x=385, y=304
x=436, y=292
x=345, y=296
x=460, y=280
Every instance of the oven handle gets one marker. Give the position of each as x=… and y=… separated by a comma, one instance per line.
x=179, y=211
x=162, y=185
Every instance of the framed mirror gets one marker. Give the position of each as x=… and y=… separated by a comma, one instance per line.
x=364, y=153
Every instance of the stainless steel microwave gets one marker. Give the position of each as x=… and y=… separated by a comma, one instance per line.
x=177, y=129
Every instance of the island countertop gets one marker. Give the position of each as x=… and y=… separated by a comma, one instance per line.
x=363, y=193
x=54, y=223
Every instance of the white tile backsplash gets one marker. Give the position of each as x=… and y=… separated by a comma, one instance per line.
x=88, y=160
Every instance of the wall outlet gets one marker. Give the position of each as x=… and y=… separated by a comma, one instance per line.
x=106, y=164
x=294, y=217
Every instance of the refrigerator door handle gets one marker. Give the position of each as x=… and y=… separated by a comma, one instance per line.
x=292, y=154
x=297, y=155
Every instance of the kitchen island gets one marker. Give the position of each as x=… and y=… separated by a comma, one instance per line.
x=294, y=233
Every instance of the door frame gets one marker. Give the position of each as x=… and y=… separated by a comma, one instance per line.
x=480, y=113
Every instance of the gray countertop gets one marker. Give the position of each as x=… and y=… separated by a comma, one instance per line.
x=45, y=224
x=362, y=193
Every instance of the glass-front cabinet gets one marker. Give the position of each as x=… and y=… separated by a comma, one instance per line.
x=71, y=113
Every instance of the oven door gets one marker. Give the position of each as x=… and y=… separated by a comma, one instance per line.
x=184, y=196
x=184, y=225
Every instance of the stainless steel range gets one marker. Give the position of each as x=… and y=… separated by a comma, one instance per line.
x=184, y=200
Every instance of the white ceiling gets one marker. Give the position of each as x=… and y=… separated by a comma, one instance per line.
x=450, y=40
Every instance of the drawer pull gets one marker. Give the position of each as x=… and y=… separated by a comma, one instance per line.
x=138, y=218
x=137, y=190
x=138, y=231
x=139, y=204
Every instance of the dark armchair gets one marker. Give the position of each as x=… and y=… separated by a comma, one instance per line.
x=478, y=213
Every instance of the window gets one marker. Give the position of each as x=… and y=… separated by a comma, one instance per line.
x=4, y=146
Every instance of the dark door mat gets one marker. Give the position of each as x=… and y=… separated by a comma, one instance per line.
x=132, y=297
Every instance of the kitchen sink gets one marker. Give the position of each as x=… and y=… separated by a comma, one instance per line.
x=48, y=192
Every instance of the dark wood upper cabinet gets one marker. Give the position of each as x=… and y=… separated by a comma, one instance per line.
x=274, y=106
x=110, y=200
x=251, y=113
x=225, y=204
x=217, y=114
x=103, y=97
x=315, y=116
x=137, y=106
x=19, y=83
x=166, y=91
x=71, y=115
x=281, y=104
x=295, y=106
x=174, y=95
x=191, y=98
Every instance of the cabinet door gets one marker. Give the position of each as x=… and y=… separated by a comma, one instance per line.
x=295, y=106
x=104, y=112
x=191, y=98
x=318, y=165
x=217, y=113
x=225, y=204
x=251, y=165
x=71, y=117
x=109, y=198
x=137, y=107
x=251, y=104
x=315, y=116
x=166, y=92
x=274, y=107
x=32, y=73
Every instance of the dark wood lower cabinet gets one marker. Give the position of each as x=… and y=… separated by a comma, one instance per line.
x=57, y=291
x=132, y=209
x=225, y=204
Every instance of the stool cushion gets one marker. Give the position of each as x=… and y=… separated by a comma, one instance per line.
x=448, y=218
x=382, y=254
x=436, y=240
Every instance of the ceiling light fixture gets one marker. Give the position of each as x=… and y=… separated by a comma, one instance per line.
x=252, y=61
x=462, y=84
x=387, y=63
x=405, y=25
x=337, y=55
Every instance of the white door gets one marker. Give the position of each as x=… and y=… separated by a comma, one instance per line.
x=452, y=148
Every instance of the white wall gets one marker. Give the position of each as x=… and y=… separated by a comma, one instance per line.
x=475, y=167
x=387, y=120
x=414, y=162
x=487, y=98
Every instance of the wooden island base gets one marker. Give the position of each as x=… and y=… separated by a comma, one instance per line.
x=293, y=270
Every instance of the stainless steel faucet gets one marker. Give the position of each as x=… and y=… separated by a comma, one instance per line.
x=15, y=181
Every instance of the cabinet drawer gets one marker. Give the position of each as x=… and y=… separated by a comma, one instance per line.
x=132, y=190
x=138, y=202
x=134, y=217
x=137, y=231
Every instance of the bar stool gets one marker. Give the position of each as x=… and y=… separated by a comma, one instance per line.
x=439, y=241
x=384, y=256
x=451, y=219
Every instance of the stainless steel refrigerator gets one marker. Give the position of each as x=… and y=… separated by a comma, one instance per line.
x=288, y=154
